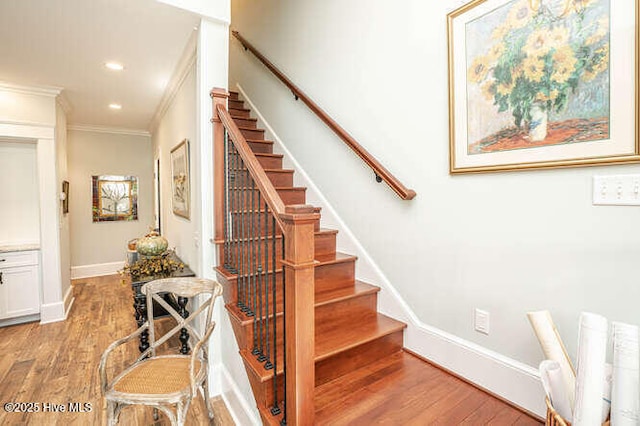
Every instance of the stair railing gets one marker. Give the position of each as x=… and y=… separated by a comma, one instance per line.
x=250, y=218
x=381, y=173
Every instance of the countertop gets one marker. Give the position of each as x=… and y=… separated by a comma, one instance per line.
x=18, y=247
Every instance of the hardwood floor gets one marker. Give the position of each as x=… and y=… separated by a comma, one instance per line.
x=57, y=363
x=403, y=390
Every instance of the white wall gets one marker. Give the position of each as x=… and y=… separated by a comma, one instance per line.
x=179, y=123
x=28, y=115
x=24, y=105
x=185, y=113
x=100, y=153
x=504, y=242
x=64, y=225
x=19, y=215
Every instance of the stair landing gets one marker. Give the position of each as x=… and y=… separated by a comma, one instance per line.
x=402, y=389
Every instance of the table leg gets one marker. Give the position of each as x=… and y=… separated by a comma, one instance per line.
x=140, y=304
x=184, y=334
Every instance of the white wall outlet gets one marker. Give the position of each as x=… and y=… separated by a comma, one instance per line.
x=481, y=321
x=616, y=190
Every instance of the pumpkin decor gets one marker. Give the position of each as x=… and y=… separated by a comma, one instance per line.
x=152, y=244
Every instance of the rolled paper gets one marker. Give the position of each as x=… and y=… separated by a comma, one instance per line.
x=553, y=383
x=606, y=392
x=625, y=393
x=554, y=349
x=592, y=353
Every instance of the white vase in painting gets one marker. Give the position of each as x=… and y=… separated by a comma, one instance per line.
x=538, y=123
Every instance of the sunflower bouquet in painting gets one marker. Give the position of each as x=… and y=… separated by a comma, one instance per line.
x=538, y=74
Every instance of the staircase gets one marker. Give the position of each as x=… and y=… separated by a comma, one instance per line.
x=349, y=332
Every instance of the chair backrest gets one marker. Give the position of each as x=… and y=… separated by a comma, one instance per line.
x=188, y=287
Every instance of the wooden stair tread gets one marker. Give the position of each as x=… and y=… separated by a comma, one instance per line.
x=326, y=231
x=334, y=336
x=335, y=295
x=260, y=211
x=235, y=311
x=324, y=298
x=279, y=236
x=343, y=333
x=279, y=170
x=337, y=257
x=246, y=119
x=230, y=276
x=230, y=109
x=250, y=128
x=320, y=260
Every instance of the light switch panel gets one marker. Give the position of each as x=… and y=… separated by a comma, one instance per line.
x=616, y=190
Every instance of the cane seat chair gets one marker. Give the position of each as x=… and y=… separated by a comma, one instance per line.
x=158, y=380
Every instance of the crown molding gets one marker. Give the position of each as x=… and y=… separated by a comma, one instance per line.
x=187, y=61
x=203, y=12
x=50, y=91
x=105, y=129
x=64, y=103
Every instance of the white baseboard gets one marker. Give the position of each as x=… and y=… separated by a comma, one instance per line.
x=52, y=312
x=236, y=403
x=503, y=376
x=97, y=270
x=19, y=320
x=500, y=375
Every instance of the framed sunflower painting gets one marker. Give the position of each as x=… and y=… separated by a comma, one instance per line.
x=542, y=83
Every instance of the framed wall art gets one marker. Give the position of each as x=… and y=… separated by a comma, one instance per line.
x=65, y=197
x=180, y=190
x=115, y=198
x=542, y=83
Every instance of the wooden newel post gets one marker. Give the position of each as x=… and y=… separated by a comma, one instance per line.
x=219, y=98
x=299, y=269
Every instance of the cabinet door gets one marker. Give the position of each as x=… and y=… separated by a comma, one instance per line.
x=19, y=292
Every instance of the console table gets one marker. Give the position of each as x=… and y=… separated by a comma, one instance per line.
x=179, y=303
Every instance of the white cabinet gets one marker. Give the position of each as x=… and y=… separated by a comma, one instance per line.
x=19, y=284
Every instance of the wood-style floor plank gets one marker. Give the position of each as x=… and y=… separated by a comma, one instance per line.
x=403, y=390
x=58, y=363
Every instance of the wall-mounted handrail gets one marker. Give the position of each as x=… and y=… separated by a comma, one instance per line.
x=380, y=171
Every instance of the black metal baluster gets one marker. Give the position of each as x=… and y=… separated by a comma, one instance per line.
x=275, y=410
x=226, y=247
x=240, y=214
x=268, y=365
x=243, y=236
x=284, y=340
x=256, y=217
x=234, y=216
x=252, y=261
x=236, y=230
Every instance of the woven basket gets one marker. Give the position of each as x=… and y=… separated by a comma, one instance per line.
x=554, y=419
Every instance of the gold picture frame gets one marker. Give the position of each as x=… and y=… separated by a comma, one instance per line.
x=180, y=180
x=542, y=84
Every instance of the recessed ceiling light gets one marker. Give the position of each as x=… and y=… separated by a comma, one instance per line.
x=115, y=106
x=114, y=66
